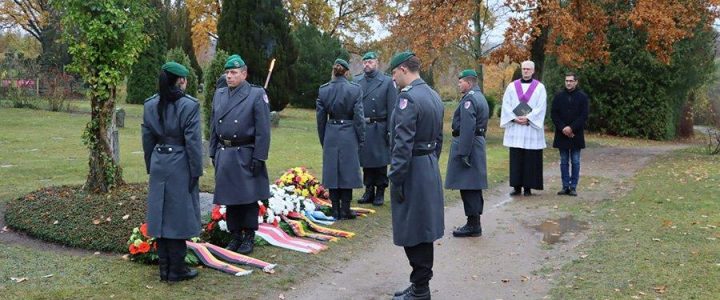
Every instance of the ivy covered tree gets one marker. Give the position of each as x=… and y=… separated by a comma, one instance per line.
x=143, y=79
x=104, y=38
x=178, y=55
x=317, y=53
x=212, y=73
x=259, y=32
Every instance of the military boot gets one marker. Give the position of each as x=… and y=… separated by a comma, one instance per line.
x=403, y=292
x=248, y=243
x=236, y=241
x=415, y=293
x=178, y=270
x=162, y=259
x=471, y=229
x=335, y=208
x=346, y=213
x=379, y=196
x=368, y=196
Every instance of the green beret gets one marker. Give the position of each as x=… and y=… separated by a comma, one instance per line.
x=234, y=62
x=175, y=68
x=466, y=73
x=370, y=55
x=343, y=63
x=399, y=58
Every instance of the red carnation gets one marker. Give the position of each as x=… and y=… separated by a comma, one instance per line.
x=143, y=230
x=133, y=249
x=144, y=247
x=275, y=223
x=216, y=215
x=210, y=226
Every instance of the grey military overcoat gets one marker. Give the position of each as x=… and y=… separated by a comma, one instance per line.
x=241, y=114
x=470, y=116
x=173, y=211
x=341, y=129
x=379, y=97
x=418, y=121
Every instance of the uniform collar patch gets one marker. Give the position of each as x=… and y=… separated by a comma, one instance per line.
x=467, y=104
x=471, y=92
x=403, y=103
x=407, y=88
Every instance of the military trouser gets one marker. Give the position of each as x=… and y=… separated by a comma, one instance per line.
x=473, y=202
x=420, y=257
x=242, y=217
x=375, y=177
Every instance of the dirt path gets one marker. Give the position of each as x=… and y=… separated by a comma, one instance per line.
x=507, y=262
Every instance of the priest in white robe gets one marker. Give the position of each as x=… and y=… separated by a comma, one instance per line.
x=524, y=131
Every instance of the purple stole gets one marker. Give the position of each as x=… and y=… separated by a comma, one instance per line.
x=525, y=97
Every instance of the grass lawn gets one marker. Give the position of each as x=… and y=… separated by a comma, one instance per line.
x=40, y=148
x=661, y=240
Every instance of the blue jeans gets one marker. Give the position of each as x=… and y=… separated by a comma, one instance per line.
x=566, y=155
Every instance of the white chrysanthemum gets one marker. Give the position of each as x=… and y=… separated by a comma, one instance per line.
x=223, y=225
x=223, y=209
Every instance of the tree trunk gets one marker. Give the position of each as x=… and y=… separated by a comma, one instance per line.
x=104, y=173
x=477, y=41
x=537, y=52
x=685, y=128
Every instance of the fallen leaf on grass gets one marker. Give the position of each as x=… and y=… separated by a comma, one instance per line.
x=48, y=276
x=524, y=278
x=627, y=229
x=126, y=257
x=96, y=222
x=108, y=219
x=660, y=289
x=635, y=297
x=667, y=223
x=505, y=280
x=656, y=239
x=56, y=222
x=4, y=229
x=18, y=279
x=641, y=293
x=584, y=256
x=149, y=287
x=281, y=296
x=125, y=217
x=474, y=277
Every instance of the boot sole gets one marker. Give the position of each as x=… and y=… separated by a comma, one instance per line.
x=468, y=235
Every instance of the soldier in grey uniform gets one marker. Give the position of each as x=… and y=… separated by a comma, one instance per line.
x=416, y=188
x=379, y=95
x=466, y=168
x=239, y=146
x=341, y=129
x=171, y=139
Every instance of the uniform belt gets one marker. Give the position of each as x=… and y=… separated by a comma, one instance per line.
x=421, y=152
x=375, y=119
x=339, y=121
x=238, y=142
x=171, y=140
x=167, y=149
x=478, y=132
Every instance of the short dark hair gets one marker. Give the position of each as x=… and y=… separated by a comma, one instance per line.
x=575, y=77
x=471, y=79
x=412, y=64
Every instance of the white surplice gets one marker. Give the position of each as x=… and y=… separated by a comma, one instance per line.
x=524, y=136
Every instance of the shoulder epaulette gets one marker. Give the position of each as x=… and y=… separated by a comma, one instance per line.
x=354, y=83
x=407, y=88
x=150, y=98
x=325, y=84
x=471, y=93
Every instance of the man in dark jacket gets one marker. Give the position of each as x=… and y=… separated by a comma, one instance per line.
x=569, y=114
x=416, y=193
x=239, y=146
x=379, y=95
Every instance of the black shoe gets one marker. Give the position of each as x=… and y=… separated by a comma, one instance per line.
x=235, y=243
x=572, y=192
x=345, y=212
x=515, y=192
x=163, y=263
x=368, y=196
x=564, y=191
x=248, y=243
x=527, y=192
x=415, y=294
x=336, y=209
x=379, y=197
x=403, y=292
x=184, y=274
x=471, y=229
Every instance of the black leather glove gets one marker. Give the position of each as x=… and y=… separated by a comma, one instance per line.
x=193, y=184
x=256, y=166
x=396, y=192
x=466, y=161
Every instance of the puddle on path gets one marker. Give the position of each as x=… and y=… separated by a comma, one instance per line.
x=553, y=230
